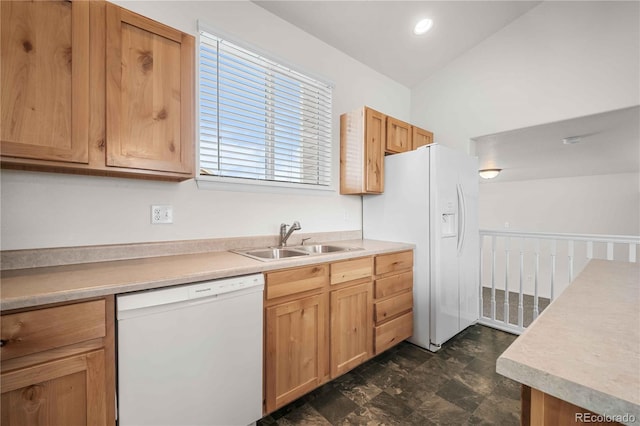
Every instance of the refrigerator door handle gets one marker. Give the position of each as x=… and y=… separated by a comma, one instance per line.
x=462, y=219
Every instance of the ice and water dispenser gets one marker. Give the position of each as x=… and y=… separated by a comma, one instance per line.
x=449, y=221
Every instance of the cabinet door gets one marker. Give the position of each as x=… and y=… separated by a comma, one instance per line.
x=295, y=350
x=374, y=141
x=150, y=120
x=351, y=327
x=398, y=136
x=45, y=80
x=421, y=137
x=69, y=391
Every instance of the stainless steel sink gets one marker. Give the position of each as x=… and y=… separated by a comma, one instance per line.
x=272, y=253
x=275, y=253
x=321, y=248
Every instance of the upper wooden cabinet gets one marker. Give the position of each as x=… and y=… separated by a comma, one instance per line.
x=149, y=94
x=45, y=80
x=398, y=136
x=93, y=88
x=420, y=137
x=365, y=136
x=362, y=144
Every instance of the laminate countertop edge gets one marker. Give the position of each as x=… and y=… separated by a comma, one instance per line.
x=27, y=288
x=572, y=392
x=585, y=347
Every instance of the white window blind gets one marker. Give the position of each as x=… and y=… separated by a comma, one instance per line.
x=259, y=119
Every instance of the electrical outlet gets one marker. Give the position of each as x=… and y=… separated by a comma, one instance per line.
x=161, y=214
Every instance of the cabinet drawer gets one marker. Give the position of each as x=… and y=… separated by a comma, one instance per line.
x=42, y=329
x=393, y=332
x=394, y=284
x=393, y=306
x=292, y=281
x=351, y=270
x=394, y=262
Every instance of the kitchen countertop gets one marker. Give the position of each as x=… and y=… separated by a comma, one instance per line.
x=24, y=288
x=585, y=347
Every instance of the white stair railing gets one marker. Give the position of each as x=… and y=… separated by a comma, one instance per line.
x=542, y=265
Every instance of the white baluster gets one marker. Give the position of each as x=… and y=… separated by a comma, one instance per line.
x=506, y=280
x=535, y=281
x=493, y=278
x=480, y=276
x=554, y=247
x=537, y=241
x=570, y=249
x=520, y=297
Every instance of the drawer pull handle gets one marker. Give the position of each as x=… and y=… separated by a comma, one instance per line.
x=3, y=342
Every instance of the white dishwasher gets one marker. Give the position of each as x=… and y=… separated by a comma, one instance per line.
x=192, y=354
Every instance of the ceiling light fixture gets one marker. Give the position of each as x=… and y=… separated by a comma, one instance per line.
x=423, y=26
x=489, y=173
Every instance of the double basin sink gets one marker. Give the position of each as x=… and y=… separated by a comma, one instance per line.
x=275, y=253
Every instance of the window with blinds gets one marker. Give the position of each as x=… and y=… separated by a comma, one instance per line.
x=261, y=120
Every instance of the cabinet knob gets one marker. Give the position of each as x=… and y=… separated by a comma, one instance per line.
x=2, y=342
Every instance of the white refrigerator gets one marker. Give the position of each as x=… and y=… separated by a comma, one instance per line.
x=430, y=199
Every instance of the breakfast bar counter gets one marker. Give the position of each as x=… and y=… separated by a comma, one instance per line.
x=584, y=350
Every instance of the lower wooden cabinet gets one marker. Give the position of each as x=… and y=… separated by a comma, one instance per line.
x=393, y=303
x=69, y=391
x=295, y=349
x=393, y=332
x=351, y=327
x=539, y=409
x=58, y=365
x=319, y=321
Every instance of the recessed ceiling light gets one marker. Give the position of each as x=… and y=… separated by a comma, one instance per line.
x=423, y=26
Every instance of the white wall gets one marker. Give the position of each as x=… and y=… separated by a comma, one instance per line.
x=605, y=204
x=560, y=60
x=53, y=210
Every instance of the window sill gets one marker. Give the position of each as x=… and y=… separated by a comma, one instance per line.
x=215, y=183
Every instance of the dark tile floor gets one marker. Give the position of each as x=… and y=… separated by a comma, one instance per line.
x=408, y=385
x=527, y=306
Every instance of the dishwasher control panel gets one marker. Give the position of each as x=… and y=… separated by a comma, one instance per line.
x=182, y=293
x=226, y=285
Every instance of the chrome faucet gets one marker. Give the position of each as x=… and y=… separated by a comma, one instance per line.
x=284, y=234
